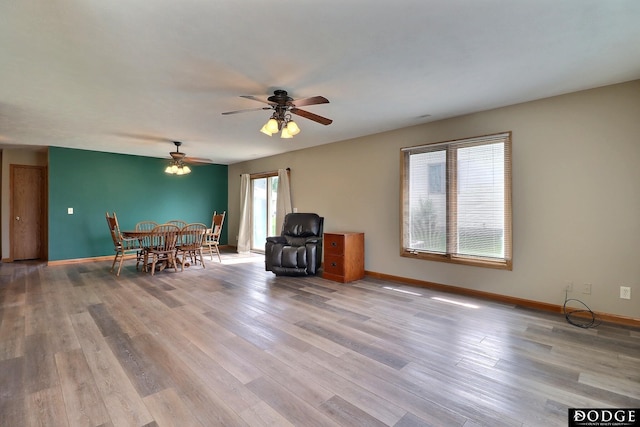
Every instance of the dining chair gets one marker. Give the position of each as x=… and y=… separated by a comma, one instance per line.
x=180, y=223
x=164, y=238
x=212, y=237
x=122, y=245
x=146, y=225
x=191, y=241
x=144, y=240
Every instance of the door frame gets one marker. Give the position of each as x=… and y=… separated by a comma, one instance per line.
x=253, y=176
x=44, y=232
x=269, y=208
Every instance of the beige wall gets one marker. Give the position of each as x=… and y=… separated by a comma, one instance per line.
x=576, y=202
x=23, y=156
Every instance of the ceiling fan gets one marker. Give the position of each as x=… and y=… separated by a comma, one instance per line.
x=175, y=155
x=178, y=164
x=178, y=156
x=283, y=106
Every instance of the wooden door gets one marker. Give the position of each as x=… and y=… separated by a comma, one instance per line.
x=28, y=214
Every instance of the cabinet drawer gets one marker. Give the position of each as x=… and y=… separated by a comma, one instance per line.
x=334, y=264
x=343, y=256
x=333, y=244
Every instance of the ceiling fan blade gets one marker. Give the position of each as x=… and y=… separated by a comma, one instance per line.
x=314, y=100
x=255, y=98
x=197, y=160
x=244, y=111
x=311, y=116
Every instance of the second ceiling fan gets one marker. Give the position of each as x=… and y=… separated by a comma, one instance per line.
x=179, y=160
x=283, y=106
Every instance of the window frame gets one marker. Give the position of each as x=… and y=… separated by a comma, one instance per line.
x=451, y=189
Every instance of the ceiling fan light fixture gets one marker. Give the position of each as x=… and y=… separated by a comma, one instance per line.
x=177, y=168
x=285, y=133
x=272, y=126
x=292, y=128
x=265, y=130
x=176, y=165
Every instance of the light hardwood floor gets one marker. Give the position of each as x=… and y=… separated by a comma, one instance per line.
x=233, y=345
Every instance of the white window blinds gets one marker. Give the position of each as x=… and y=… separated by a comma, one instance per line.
x=456, y=201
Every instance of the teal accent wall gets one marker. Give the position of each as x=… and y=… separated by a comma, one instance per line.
x=134, y=187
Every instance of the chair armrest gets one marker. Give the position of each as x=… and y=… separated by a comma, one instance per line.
x=313, y=239
x=276, y=239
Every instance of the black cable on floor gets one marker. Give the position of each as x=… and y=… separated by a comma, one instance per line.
x=591, y=321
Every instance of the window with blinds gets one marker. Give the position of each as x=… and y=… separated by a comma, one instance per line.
x=456, y=201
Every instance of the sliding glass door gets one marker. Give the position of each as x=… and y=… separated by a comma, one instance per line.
x=263, y=213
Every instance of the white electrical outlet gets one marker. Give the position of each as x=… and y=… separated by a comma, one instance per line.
x=568, y=286
x=625, y=292
x=586, y=288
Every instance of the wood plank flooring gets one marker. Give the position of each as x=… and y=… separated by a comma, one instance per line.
x=234, y=345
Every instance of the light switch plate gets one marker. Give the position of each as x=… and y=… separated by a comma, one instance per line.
x=70, y=211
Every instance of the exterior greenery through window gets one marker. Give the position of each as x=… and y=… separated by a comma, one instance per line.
x=456, y=201
x=264, y=195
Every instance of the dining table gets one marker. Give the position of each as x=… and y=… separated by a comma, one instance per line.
x=136, y=234
x=146, y=239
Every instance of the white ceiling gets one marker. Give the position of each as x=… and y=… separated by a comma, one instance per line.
x=87, y=73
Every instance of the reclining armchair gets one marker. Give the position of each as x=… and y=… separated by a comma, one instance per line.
x=298, y=250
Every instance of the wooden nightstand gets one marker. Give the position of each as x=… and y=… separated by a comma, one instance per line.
x=343, y=256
